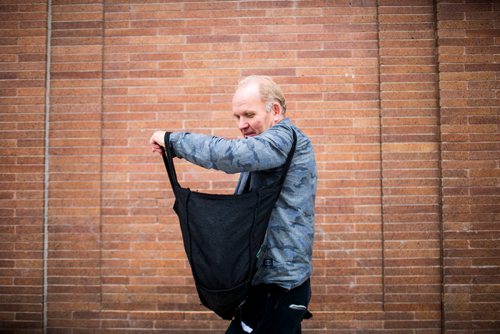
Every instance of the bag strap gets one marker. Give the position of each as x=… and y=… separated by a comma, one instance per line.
x=167, y=155
x=288, y=161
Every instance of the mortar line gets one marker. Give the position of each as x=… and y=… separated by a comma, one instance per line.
x=48, y=55
x=440, y=170
x=381, y=165
x=101, y=158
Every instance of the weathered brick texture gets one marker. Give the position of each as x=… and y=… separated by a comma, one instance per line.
x=401, y=100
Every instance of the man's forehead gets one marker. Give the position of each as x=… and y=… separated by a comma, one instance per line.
x=250, y=90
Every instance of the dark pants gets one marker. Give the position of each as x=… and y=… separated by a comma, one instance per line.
x=270, y=309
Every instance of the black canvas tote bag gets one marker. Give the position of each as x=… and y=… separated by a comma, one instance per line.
x=222, y=235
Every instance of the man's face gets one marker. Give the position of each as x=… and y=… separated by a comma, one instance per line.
x=250, y=112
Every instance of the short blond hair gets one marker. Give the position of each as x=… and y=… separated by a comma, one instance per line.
x=269, y=91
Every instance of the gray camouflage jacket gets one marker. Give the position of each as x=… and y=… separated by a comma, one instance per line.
x=285, y=258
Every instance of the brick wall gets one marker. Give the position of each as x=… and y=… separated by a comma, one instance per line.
x=410, y=166
x=469, y=43
x=22, y=122
x=400, y=98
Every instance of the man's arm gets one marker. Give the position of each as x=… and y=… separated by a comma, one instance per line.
x=265, y=151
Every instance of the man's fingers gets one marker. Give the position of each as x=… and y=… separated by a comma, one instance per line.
x=156, y=148
x=156, y=142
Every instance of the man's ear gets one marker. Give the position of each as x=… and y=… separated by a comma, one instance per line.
x=276, y=112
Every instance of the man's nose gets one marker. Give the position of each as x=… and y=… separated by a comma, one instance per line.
x=242, y=124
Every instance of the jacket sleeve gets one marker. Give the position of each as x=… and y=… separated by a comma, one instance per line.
x=265, y=151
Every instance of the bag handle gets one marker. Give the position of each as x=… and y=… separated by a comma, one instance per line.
x=167, y=155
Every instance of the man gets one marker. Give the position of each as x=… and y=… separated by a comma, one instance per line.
x=280, y=292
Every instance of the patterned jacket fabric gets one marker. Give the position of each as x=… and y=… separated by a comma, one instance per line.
x=285, y=257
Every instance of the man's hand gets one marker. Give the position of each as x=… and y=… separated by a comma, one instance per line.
x=157, y=142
